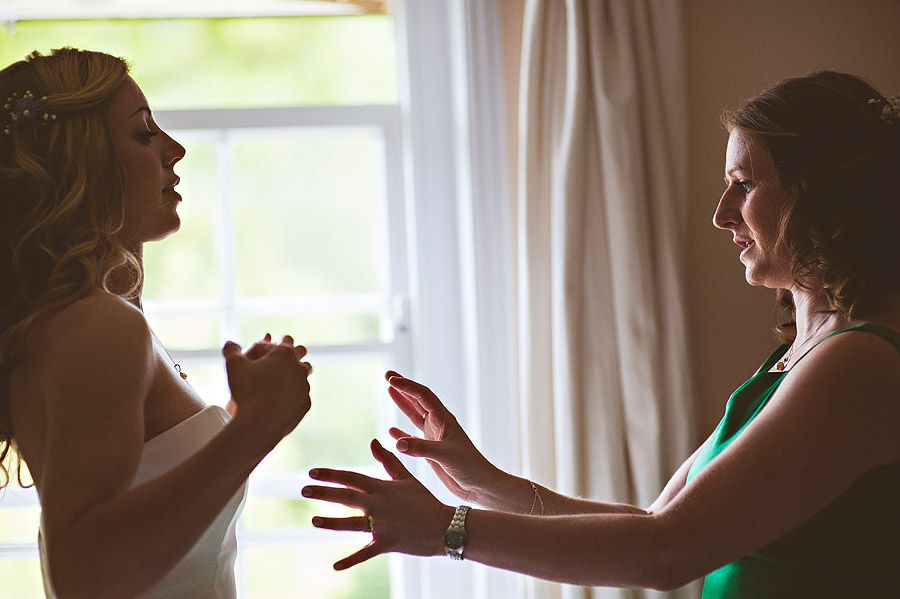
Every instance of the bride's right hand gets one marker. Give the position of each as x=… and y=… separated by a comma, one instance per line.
x=444, y=443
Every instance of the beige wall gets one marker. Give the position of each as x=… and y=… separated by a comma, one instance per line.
x=735, y=49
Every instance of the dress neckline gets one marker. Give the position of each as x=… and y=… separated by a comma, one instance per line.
x=201, y=415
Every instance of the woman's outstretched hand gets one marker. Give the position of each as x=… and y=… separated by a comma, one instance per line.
x=401, y=514
x=444, y=443
x=269, y=383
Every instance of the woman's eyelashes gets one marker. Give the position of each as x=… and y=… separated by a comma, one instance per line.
x=145, y=137
x=744, y=184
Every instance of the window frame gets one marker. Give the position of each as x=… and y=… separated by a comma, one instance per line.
x=462, y=272
x=223, y=124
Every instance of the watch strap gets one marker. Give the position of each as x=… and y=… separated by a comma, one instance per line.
x=457, y=524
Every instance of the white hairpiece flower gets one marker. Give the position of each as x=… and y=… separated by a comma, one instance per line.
x=25, y=108
x=890, y=111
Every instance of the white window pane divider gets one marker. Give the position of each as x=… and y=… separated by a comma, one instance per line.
x=381, y=116
x=317, y=304
x=19, y=551
x=224, y=235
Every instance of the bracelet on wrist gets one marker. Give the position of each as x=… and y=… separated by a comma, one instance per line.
x=537, y=499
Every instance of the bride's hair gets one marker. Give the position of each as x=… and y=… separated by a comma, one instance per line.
x=62, y=200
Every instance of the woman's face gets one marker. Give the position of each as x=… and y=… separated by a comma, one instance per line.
x=148, y=157
x=751, y=208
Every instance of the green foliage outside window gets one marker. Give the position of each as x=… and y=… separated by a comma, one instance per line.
x=235, y=63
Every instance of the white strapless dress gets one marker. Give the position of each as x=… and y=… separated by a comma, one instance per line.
x=207, y=571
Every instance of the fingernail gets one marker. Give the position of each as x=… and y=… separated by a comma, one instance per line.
x=306, y=492
x=402, y=445
x=317, y=521
x=314, y=473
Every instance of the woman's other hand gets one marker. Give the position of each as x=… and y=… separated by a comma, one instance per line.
x=444, y=443
x=269, y=383
x=401, y=514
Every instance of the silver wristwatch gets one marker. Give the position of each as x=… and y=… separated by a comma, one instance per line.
x=455, y=538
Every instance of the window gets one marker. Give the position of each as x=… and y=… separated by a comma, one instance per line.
x=383, y=273
x=292, y=223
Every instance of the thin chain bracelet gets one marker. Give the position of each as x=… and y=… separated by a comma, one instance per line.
x=537, y=498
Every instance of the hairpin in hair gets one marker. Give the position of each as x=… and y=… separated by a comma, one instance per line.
x=890, y=111
x=26, y=108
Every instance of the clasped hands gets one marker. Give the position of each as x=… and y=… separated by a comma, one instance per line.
x=401, y=513
x=269, y=384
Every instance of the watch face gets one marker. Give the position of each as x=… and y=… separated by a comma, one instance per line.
x=455, y=539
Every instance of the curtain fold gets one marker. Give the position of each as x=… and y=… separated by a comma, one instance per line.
x=607, y=407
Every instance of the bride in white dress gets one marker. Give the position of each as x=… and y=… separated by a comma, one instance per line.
x=140, y=483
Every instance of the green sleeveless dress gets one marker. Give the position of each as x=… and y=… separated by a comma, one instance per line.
x=850, y=549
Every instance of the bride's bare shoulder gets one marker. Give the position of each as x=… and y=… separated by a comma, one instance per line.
x=99, y=326
x=97, y=312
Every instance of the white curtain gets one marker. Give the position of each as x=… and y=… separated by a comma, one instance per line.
x=603, y=360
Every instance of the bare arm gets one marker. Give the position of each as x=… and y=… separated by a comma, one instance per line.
x=780, y=471
x=514, y=494
x=471, y=477
x=102, y=539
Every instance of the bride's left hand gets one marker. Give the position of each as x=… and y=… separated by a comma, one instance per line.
x=401, y=513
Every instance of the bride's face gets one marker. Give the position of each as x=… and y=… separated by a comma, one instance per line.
x=148, y=157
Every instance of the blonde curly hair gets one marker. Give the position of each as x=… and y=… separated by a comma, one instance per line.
x=62, y=203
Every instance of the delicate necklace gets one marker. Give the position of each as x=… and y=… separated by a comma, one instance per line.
x=783, y=363
x=182, y=374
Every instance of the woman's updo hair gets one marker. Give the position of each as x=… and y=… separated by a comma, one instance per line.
x=61, y=197
x=837, y=152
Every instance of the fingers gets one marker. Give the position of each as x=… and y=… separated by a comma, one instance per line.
x=420, y=448
x=341, y=495
x=398, y=434
x=265, y=346
x=366, y=553
x=354, y=480
x=231, y=350
x=410, y=408
x=354, y=523
x=392, y=464
x=258, y=350
x=260, y=347
x=234, y=359
x=428, y=401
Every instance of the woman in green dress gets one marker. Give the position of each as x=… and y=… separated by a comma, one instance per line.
x=795, y=493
